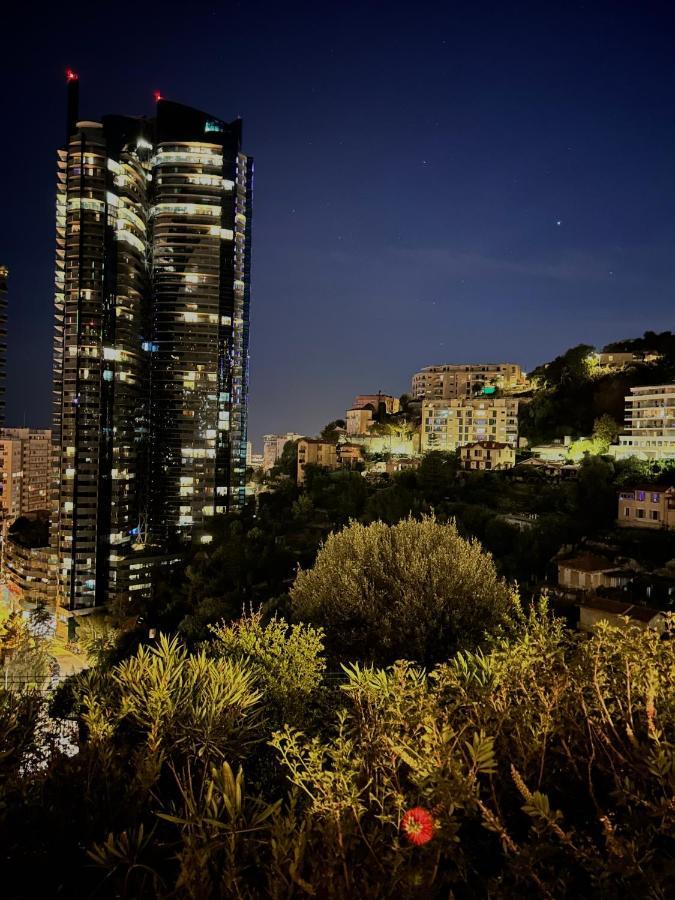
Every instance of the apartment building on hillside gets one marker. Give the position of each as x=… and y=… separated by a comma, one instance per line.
x=273, y=447
x=647, y=506
x=25, y=470
x=465, y=381
x=486, y=456
x=312, y=451
x=449, y=424
x=650, y=423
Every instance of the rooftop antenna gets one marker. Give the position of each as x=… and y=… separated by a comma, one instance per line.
x=73, y=88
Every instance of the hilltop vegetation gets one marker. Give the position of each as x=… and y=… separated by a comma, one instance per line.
x=573, y=391
x=529, y=764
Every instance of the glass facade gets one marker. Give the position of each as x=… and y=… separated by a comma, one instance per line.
x=3, y=339
x=151, y=341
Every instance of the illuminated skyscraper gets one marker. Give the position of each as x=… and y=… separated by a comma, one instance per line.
x=3, y=339
x=200, y=218
x=151, y=340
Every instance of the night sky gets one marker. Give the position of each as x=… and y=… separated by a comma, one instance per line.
x=435, y=182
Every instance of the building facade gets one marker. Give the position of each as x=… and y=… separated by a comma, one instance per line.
x=650, y=423
x=28, y=572
x=151, y=339
x=273, y=447
x=615, y=612
x=380, y=403
x=449, y=424
x=647, y=506
x=4, y=275
x=484, y=456
x=317, y=453
x=620, y=359
x=358, y=420
x=589, y=573
x=457, y=382
x=349, y=456
x=25, y=470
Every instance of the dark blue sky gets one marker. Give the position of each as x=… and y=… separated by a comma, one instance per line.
x=435, y=182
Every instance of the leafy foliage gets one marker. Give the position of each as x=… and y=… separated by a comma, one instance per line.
x=286, y=660
x=548, y=764
x=414, y=590
x=542, y=765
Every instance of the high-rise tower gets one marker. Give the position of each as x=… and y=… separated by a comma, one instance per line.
x=151, y=340
x=200, y=219
x=3, y=339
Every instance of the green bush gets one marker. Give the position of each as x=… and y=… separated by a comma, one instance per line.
x=415, y=590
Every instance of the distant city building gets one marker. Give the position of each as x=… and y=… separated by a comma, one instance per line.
x=457, y=382
x=150, y=340
x=647, y=506
x=4, y=274
x=315, y=452
x=558, y=451
x=25, y=470
x=401, y=443
x=28, y=572
x=349, y=455
x=392, y=465
x=358, y=420
x=650, y=423
x=487, y=455
x=602, y=609
x=618, y=359
x=449, y=424
x=380, y=403
x=589, y=572
x=273, y=447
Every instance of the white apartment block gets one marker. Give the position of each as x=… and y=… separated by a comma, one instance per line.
x=449, y=424
x=456, y=382
x=25, y=470
x=650, y=423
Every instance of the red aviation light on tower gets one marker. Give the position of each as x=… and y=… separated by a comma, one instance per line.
x=158, y=96
x=71, y=76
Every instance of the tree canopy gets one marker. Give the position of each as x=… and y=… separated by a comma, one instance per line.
x=414, y=590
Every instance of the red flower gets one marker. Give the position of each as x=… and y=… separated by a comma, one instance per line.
x=418, y=826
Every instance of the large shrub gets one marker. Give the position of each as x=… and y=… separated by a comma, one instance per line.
x=285, y=660
x=415, y=590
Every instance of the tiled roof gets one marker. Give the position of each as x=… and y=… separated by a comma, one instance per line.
x=620, y=608
x=587, y=562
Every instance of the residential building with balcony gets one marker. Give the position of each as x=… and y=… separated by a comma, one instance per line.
x=465, y=381
x=485, y=456
x=647, y=506
x=650, y=423
x=312, y=451
x=4, y=275
x=449, y=424
x=150, y=339
x=25, y=471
